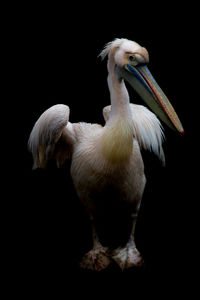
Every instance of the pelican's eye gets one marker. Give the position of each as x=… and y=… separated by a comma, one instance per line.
x=132, y=58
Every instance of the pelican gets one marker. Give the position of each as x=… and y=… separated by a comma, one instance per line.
x=106, y=164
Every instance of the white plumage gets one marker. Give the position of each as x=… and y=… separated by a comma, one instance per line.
x=106, y=162
x=53, y=123
x=147, y=129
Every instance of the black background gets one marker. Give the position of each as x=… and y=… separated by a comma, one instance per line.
x=53, y=58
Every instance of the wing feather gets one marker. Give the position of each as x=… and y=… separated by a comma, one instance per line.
x=147, y=129
x=46, y=139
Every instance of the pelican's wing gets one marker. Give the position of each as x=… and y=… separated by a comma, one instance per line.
x=51, y=137
x=106, y=112
x=147, y=129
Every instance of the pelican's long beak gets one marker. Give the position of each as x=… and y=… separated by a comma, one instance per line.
x=142, y=81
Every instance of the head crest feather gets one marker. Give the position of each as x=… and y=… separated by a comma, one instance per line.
x=109, y=47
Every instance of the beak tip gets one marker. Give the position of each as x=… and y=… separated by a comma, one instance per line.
x=183, y=132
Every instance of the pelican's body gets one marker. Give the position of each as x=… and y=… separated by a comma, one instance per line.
x=106, y=164
x=93, y=173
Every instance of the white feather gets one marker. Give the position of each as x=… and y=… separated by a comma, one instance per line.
x=147, y=129
x=46, y=133
x=110, y=46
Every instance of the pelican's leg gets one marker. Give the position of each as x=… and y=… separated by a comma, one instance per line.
x=96, y=259
x=128, y=256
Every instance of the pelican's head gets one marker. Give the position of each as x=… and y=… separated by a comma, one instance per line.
x=130, y=60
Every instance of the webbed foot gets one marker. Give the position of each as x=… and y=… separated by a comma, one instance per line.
x=127, y=257
x=96, y=259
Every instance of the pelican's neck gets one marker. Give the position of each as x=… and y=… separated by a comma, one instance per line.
x=117, y=140
x=120, y=105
